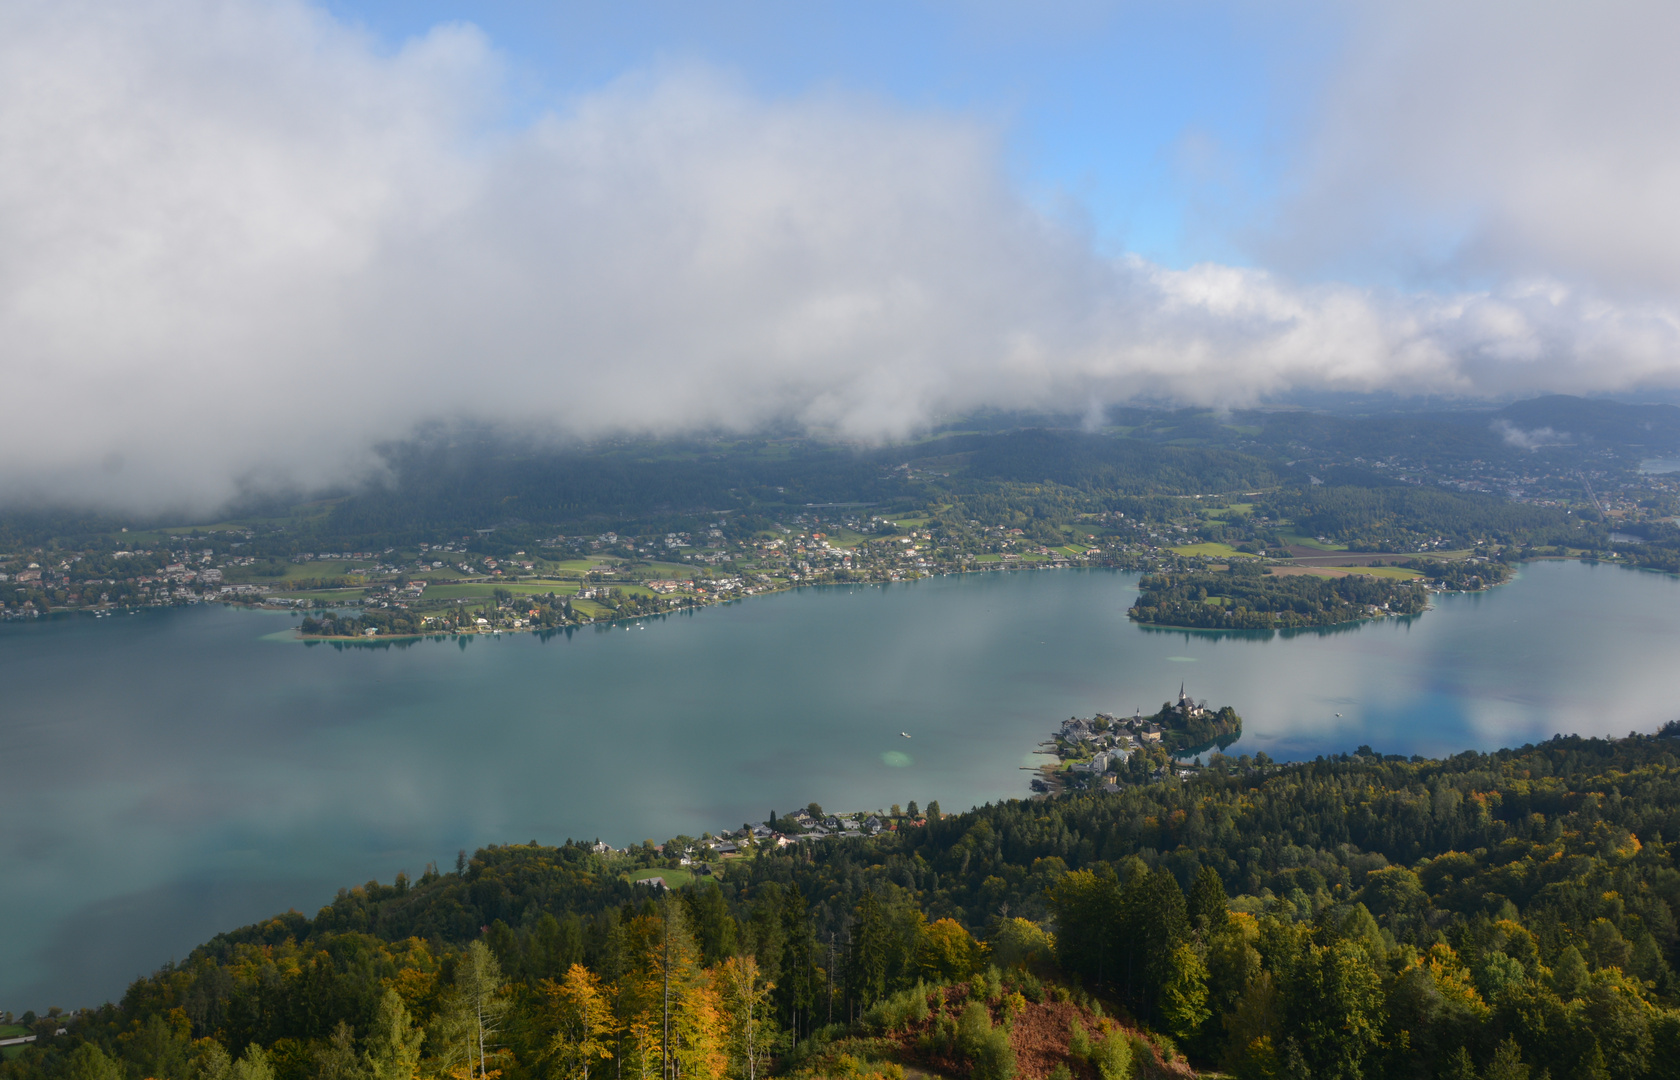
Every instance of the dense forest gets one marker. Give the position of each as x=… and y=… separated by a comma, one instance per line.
x=1490, y=915
x=1247, y=596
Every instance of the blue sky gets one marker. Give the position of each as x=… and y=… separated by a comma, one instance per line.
x=1160, y=124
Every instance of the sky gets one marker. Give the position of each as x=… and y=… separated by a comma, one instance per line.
x=244, y=243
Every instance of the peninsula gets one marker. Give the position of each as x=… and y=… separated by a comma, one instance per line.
x=1108, y=751
x=1248, y=596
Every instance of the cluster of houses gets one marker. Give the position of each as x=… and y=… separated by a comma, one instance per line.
x=1102, y=739
x=796, y=828
x=800, y=827
x=1095, y=743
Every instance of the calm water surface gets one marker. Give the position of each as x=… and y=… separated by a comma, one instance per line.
x=175, y=773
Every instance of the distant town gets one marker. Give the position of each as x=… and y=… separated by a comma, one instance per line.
x=1262, y=501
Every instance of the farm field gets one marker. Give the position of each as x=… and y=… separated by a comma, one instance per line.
x=1297, y=540
x=1396, y=573
x=1212, y=550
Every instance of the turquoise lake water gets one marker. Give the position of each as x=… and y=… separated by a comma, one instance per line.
x=174, y=773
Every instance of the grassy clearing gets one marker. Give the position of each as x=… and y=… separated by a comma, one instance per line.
x=331, y=596
x=675, y=879
x=474, y=590
x=1212, y=550
x=293, y=572
x=1297, y=540
x=1234, y=510
x=846, y=538
x=579, y=566
x=464, y=591
x=590, y=608
x=911, y=522
x=537, y=588
x=1395, y=573
x=671, y=569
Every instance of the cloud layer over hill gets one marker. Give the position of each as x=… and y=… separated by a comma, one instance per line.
x=240, y=244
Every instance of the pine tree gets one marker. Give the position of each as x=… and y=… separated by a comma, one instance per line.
x=1208, y=906
x=1507, y=1063
x=868, y=968
x=474, y=1013
x=393, y=1044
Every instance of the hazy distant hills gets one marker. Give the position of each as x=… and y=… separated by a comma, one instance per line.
x=1590, y=420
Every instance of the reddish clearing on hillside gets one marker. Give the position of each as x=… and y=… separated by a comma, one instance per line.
x=1039, y=1036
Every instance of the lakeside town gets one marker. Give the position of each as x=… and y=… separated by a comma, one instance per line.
x=1100, y=753
x=457, y=587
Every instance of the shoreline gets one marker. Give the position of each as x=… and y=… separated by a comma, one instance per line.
x=991, y=567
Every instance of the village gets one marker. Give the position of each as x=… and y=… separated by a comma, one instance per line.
x=1105, y=751
x=681, y=859
x=1101, y=752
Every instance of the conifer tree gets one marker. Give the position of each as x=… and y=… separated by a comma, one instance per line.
x=473, y=1016
x=393, y=1044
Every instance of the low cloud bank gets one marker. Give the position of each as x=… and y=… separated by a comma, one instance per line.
x=240, y=246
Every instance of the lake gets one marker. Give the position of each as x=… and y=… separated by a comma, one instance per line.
x=174, y=773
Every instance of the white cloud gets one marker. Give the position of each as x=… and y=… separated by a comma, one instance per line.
x=239, y=243
x=1528, y=440
x=1498, y=137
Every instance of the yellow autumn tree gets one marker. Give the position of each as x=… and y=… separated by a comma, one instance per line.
x=639, y=996
x=745, y=996
x=668, y=1004
x=945, y=952
x=581, y=1022
x=699, y=1033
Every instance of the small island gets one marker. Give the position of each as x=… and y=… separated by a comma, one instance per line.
x=1249, y=596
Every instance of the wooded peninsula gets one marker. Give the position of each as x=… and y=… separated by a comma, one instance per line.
x=1248, y=596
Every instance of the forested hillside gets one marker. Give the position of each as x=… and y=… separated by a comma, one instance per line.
x=1395, y=517
x=1477, y=916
